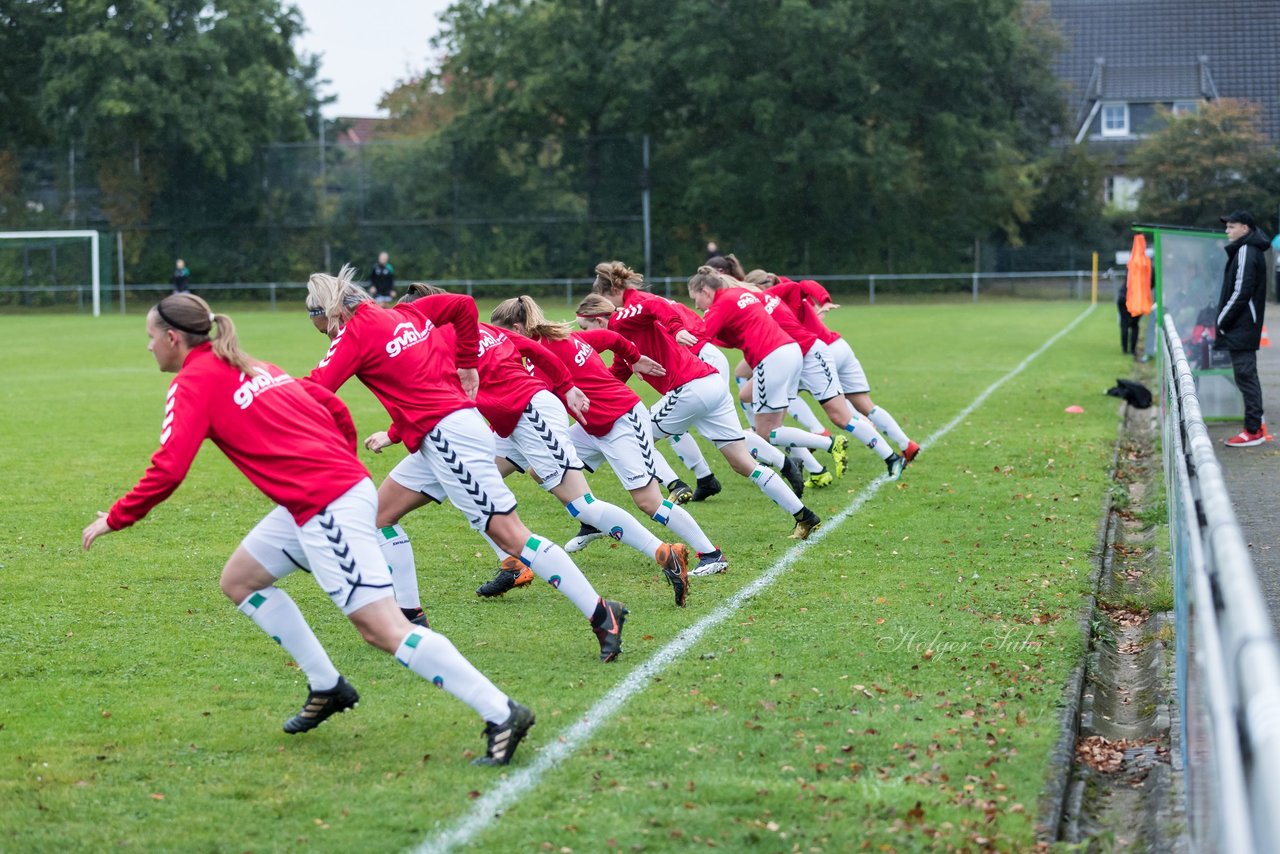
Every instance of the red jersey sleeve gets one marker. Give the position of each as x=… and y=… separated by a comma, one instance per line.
x=545, y=361
x=460, y=312
x=185, y=426
x=337, y=409
x=393, y=434
x=815, y=292
x=665, y=313
x=607, y=339
x=340, y=363
x=712, y=321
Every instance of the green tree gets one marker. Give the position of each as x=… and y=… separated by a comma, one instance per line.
x=171, y=101
x=806, y=134
x=1199, y=166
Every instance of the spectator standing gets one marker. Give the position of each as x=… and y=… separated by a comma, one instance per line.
x=713, y=251
x=181, y=278
x=1239, y=319
x=382, y=280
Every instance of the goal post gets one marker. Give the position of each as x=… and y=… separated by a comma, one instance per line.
x=94, y=260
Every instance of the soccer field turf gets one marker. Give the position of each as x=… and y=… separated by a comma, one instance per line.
x=896, y=683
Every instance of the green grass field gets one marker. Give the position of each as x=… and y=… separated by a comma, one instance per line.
x=898, y=686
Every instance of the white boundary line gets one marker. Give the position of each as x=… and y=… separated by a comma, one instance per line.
x=491, y=804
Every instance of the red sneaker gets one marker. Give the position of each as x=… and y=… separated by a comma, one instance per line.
x=1245, y=439
x=910, y=451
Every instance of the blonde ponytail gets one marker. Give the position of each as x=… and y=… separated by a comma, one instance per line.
x=525, y=311
x=614, y=275
x=191, y=317
x=336, y=297
x=706, y=279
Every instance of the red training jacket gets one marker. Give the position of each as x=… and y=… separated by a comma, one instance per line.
x=650, y=322
x=411, y=369
x=803, y=298
x=610, y=399
x=291, y=438
x=737, y=318
x=506, y=386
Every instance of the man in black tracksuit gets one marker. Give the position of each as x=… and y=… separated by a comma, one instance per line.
x=1239, y=320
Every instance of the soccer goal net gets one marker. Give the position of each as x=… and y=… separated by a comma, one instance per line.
x=47, y=269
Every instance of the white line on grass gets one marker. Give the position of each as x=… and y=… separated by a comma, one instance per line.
x=493, y=802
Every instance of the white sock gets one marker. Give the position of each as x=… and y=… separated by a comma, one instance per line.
x=678, y=520
x=397, y=551
x=746, y=407
x=865, y=432
x=550, y=563
x=786, y=437
x=806, y=459
x=616, y=522
x=763, y=451
x=800, y=411
x=662, y=468
x=773, y=485
x=433, y=657
x=888, y=426
x=498, y=552
x=276, y=614
x=686, y=448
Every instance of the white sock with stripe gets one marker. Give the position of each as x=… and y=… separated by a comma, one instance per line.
x=800, y=410
x=662, y=468
x=498, y=552
x=614, y=522
x=775, y=486
x=433, y=656
x=865, y=432
x=273, y=611
x=686, y=448
x=678, y=520
x=763, y=451
x=397, y=551
x=786, y=437
x=888, y=426
x=554, y=566
x=806, y=459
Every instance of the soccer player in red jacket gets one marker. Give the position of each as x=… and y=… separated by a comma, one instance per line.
x=616, y=427
x=819, y=377
x=694, y=394
x=809, y=300
x=294, y=441
x=427, y=382
x=531, y=429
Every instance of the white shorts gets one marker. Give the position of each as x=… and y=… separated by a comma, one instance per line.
x=628, y=448
x=540, y=442
x=776, y=379
x=818, y=374
x=456, y=459
x=852, y=378
x=338, y=546
x=715, y=359
x=704, y=405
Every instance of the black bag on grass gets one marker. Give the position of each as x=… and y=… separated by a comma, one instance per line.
x=1137, y=395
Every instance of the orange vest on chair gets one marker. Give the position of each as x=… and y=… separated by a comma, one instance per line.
x=1138, y=294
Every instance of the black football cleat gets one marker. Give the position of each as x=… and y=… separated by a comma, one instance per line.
x=505, y=737
x=321, y=705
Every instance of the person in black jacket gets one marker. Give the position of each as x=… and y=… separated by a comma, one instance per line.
x=1239, y=321
x=382, y=280
x=181, y=278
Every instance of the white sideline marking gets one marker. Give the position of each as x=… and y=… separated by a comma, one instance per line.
x=493, y=802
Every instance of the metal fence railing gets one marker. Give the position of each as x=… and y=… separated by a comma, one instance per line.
x=1054, y=284
x=1227, y=659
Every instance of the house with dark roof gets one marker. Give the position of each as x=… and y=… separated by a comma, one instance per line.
x=1121, y=59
